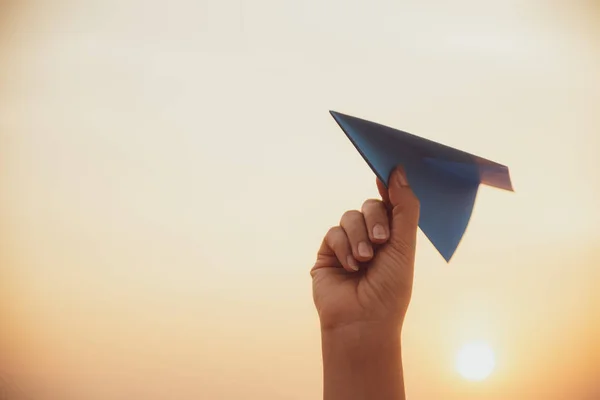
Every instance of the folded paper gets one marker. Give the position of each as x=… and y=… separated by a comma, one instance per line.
x=444, y=179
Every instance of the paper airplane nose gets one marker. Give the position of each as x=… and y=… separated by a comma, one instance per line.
x=445, y=180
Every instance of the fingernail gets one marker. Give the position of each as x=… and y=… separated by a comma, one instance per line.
x=379, y=232
x=352, y=263
x=364, y=250
x=401, y=176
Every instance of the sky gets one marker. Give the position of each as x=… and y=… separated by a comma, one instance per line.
x=168, y=170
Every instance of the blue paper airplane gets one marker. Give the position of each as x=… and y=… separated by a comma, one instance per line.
x=445, y=180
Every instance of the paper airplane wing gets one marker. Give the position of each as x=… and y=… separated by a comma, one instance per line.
x=445, y=180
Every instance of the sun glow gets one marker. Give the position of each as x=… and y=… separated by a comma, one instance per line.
x=475, y=361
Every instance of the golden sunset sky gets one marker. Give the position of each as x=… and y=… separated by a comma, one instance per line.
x=168, y=169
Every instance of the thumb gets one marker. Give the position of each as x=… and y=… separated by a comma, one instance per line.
x=404, y=212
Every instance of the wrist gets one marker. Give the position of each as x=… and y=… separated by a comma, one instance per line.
x=362, y=329
x=362, y=337
x=363, y=361
x=382, y=326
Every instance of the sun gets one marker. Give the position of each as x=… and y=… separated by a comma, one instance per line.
x=475, y=361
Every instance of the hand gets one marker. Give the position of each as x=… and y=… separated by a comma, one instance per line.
x=364, y=268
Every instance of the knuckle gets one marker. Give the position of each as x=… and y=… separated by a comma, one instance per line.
x=332, y=233
x=336, y=239
x=410, y=204
x=409, y=218
x=413, y=200
x=415, y=206
x=371, y=204
x=350, y=216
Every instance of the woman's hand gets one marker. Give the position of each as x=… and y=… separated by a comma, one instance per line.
x=362, y=284
x=364, y=268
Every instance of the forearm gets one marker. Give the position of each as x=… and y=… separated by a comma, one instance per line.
x=363, y=362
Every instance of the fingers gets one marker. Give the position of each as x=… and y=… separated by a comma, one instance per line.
x=404, y=209
x=401, y=196
x=376, y=220
x=336, y=242
x=394, y=220
x=354, y=225
x=383, y=192
x=352, y=241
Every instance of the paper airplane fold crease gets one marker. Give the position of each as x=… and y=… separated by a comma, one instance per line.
x=444, y=179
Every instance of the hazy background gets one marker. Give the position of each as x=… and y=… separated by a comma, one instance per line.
x=167, y=171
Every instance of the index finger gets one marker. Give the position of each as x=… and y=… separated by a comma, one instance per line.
x=383, y=192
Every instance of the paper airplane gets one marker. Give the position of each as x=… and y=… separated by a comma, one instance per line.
x=445, y=180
